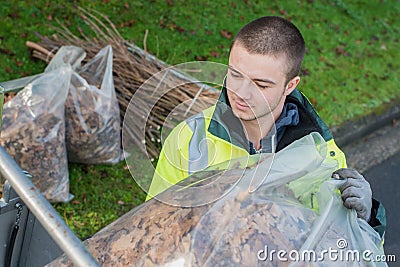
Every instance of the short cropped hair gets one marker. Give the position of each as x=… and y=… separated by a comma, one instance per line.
x=272, y=35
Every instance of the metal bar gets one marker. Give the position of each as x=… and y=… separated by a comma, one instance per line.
x=44, y=212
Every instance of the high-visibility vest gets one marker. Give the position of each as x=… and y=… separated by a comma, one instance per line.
x=193, y=145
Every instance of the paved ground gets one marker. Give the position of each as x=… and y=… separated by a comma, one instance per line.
x=385, y=183
x=377, y=156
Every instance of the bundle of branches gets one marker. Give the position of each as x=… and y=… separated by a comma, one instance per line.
x=169, y=92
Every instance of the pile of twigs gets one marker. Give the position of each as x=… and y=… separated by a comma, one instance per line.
x=132, y=66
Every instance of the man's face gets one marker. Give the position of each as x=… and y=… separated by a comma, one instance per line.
x=257, y=84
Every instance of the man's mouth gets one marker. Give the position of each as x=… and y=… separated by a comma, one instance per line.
x=242, y=106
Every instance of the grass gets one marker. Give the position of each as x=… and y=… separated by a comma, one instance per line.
x=95, y=204
x=350, y=69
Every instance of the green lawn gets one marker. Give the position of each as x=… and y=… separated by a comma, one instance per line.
x=351, y=67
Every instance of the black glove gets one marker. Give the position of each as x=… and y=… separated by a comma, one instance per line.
x=356, y=192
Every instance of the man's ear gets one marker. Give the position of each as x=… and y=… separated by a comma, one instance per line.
x=291, y=85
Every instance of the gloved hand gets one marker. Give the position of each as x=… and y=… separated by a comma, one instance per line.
x=356, y=192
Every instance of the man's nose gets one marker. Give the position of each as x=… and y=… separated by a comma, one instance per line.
x=244, y=90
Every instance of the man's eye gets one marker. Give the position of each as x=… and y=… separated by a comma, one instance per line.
x=262, y=86
x=235, y=75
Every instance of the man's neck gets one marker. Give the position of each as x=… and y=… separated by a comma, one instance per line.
x=257, y=129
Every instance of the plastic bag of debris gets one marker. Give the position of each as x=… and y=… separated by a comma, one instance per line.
x=92, y=111
x=33, y=132
x=280, y=209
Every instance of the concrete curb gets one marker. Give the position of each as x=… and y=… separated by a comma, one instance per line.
x=355, y=130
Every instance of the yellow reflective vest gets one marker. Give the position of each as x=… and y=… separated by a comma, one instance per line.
x=212, y=137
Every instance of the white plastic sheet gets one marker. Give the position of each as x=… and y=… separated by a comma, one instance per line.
x=294, y=217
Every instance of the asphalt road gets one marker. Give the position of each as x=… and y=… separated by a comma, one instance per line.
x=377, y=157
x=385, y=183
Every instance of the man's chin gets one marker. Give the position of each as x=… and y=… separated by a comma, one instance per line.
x=243, y=116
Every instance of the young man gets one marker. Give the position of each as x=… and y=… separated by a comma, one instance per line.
x=259, y=111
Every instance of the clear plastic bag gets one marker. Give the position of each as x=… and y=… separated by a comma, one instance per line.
x=269, y=210
x=92, y=111
x=33, y=132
